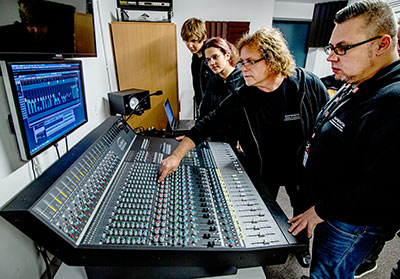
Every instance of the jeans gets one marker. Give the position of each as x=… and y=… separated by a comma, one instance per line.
x=339, y=248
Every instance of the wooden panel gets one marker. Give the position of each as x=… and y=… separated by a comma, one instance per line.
x=84, y=33
x=145, y=58
x=236, y=31
x=231, y=31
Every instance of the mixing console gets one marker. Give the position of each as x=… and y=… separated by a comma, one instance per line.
x=103, y=195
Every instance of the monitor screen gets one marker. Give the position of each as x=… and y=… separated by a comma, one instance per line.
x=168, y=111
x=47, y=101
x=44, y=29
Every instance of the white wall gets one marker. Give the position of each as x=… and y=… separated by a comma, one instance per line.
x=18, y=255
x=316, y=62
x=293, y=11
x=258, y=12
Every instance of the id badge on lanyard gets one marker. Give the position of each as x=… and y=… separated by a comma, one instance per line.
x=343, y=96
x=306, y=151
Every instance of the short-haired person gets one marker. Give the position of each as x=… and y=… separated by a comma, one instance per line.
x=194, y=34
x=351, y=176
x=273, y=115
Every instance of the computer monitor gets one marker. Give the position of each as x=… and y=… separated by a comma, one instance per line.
x=46, y=100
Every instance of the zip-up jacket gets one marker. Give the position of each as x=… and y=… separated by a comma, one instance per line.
x=260, y=134
x=352, y=168
x=218, y=89
x=201, y=74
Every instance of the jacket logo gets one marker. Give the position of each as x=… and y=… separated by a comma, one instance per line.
x=337, y=123
x=291, y=117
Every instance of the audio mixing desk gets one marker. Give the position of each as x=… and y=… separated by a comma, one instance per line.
x=101, y=205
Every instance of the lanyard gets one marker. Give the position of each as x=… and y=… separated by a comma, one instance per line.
x=343, y=95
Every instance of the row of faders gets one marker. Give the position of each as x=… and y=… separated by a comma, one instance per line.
x=101, y=205
x=196, y=206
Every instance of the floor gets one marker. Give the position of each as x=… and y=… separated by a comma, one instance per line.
x=291, y=269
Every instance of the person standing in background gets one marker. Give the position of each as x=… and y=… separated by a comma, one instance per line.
x=221, y=57
x=194, y=34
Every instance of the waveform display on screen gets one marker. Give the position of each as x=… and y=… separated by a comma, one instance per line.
x=50, y=99
x=43, y=95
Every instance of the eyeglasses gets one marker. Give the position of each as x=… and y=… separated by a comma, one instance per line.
x=341, y=50
x=213, y=58
x=248, y=63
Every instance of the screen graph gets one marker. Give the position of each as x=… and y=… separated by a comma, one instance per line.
x=50, y=100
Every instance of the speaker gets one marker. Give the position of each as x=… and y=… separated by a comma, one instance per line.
x=123, y=102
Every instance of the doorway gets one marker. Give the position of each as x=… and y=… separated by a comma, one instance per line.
x=296, y=34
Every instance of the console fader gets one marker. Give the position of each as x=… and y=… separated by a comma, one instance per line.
x=102, y=200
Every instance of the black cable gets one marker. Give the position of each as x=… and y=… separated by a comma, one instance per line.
x=33, y=169
x=137, y=110
x=46, y=260
x=66, y=143
x=58, y=153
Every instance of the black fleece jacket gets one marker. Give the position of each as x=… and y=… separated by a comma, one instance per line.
x=258, y=123
x=352, y=168
x=218, y=89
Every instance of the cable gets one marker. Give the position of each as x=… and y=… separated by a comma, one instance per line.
x=58, y=153
x=103, y=45
x=33, y=169
x=66, y=143
x=46, y=260
x=136, y=110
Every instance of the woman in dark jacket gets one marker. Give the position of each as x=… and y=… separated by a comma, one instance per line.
x=221, y=57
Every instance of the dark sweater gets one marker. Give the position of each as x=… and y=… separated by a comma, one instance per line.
x=351, y=172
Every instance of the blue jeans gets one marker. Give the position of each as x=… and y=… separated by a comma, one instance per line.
x=339, y=248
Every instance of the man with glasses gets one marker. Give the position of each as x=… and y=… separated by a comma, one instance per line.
x=194, y=34
x=351, y=174
x=273, y=114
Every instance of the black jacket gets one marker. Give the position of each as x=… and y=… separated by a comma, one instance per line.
x=201, y=74
x=306, y=95
x=218, y=89
x=352, y=169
